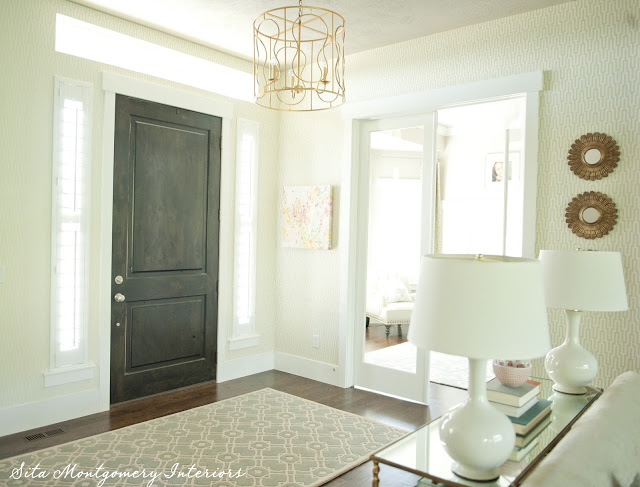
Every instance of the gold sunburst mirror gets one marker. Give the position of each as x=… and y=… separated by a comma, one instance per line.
x=591, y=215
x=593, y=156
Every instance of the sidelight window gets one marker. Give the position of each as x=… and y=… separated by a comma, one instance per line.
x=244, y=288
x=71, y=177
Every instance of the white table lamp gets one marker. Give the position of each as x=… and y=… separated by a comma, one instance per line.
x=578, y=281
x=480, y=307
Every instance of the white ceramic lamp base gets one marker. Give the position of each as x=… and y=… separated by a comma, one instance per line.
x=570, y=365
x=476, y=435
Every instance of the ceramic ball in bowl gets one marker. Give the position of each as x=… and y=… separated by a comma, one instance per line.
x=512, y=373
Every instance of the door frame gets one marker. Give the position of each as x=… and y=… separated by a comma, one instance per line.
x=113, y=84
x=412, y=386
x=351, y=277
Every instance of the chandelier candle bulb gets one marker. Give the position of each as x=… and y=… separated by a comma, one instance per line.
x=323, y=71
x=273, y=70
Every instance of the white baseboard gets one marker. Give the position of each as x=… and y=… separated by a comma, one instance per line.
x=310, y=369
x=49, y=411
x=241, y=367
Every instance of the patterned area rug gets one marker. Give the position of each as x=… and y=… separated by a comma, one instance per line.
x=264, y=438
x=445, y=369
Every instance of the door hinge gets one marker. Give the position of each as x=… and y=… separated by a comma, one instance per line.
x=218, y=286
x=219, y=215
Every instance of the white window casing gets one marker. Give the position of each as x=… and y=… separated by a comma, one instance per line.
x=70, y=195
x=246, y=206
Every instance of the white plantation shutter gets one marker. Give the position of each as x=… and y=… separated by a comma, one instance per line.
x=244, y=288
x=70, y=222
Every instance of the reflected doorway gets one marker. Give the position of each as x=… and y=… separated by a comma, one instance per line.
x=393, y=192
x=456, y=186
x=393, y=248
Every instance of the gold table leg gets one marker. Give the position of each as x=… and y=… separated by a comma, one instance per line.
x=376, y=469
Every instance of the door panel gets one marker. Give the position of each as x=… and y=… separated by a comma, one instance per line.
x=176, y=241
x=165, y=331
x=165, y=247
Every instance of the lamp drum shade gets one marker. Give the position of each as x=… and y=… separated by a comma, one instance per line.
x=480, y=307
x=584, y=280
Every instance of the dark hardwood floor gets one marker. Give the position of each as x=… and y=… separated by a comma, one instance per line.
x=375, y=336
x=381, y=408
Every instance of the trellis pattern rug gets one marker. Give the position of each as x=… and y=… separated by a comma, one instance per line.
x=265, y=438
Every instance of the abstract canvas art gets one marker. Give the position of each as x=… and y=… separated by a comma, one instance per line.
x=306, y=217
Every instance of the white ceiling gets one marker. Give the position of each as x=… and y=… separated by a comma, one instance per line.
x=226, y=25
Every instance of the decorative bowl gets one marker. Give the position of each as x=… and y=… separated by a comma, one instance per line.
x=512, y=373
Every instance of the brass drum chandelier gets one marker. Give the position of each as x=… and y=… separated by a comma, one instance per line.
x=298, y=59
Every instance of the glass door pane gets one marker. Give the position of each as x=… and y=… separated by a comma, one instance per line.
x=392, y=200
x=393, y=247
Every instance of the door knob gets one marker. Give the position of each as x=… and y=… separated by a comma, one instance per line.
x=119, y=298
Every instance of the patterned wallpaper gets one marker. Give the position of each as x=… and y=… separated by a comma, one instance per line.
x=27, y=34
x=307, y=281
x=589, y=51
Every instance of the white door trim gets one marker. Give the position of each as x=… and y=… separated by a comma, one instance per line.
x=449, y=96
x=112, y=84
x=529, y=84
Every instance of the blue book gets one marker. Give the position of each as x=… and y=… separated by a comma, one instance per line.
x=525, y=423
x=522, y=441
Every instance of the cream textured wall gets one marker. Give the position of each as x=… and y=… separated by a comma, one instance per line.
x=589, y=50
x=590, y=53
x=307, y=281
x=27, y=33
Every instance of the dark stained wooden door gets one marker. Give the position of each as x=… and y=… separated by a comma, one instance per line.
x=166, y=200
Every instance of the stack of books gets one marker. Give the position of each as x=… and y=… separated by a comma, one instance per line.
x=528, y=414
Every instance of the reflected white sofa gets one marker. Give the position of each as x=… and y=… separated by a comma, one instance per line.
x=390, y=302
x=602, y=448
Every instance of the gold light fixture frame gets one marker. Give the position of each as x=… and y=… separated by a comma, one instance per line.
x=298, y=58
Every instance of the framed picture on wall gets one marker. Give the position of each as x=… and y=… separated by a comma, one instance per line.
x=495, y=168
x=307, y=216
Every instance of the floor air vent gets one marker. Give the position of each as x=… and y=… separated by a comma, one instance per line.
x=46, y=434
x=54, y=432
x=35, y=436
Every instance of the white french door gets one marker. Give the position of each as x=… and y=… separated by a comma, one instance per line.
x=395, y=228
x=486, y=200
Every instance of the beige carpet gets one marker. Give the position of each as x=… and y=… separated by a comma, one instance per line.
x=265, y=438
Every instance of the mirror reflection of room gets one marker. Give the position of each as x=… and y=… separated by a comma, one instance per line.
x=395, y=196
x=477, y=211
x=479, y=200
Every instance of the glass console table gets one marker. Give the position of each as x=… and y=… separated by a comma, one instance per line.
x=422, y=453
